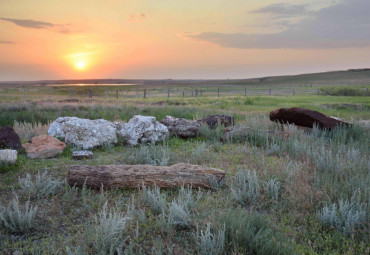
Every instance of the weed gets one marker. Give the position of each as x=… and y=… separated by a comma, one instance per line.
x=208, y=243
x=272, y=189
x=16, y=220
x=346, y=216
x=154, y=199
x=245, y=186
x=179, y=215
x=42, y=186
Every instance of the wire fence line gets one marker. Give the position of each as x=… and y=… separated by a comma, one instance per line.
x=110, y=92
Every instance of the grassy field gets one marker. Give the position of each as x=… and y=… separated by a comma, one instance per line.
x=307, y=194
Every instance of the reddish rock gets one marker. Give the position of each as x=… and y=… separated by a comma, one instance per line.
x=214, y=120
x=9, y=139
x=44, y=146
x=305, y=118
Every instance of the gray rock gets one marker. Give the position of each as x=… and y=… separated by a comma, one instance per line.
x=181, y=127
x=82, y=154
x=142, y=129
x=84, y=133
x=8, y=157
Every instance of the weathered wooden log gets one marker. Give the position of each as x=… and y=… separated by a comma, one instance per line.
x=132, y=176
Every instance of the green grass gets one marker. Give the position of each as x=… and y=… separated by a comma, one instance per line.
x=312, y=169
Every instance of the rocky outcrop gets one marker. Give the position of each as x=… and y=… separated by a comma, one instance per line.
x=82, y=154
x=181, y=127
x=9, y=139
x=84, y=133
x=43, y=147
x=142, y=129
x=8, y=157
x=214, y=121
x=305, y=118
x=133, y=176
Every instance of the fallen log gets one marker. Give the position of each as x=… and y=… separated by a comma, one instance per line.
x=132, y=176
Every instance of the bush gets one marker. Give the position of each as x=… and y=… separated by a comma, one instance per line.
x=179, y=215
x=155, y=199
x=16, y=220
x=108, y=231
x=186, y=197
x=43, y=185
x=251, y=234
x=152, y=155
x=272, y=189
x=245, y=187
x=208, y=243
x=346, y=216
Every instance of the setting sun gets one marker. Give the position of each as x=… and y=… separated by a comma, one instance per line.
x=80, y=65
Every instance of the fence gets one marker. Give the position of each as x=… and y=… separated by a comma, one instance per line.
x=111, y=92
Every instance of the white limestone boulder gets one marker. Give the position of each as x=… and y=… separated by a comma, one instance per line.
x=8, y=157
x=84, y=133
x=142, y=129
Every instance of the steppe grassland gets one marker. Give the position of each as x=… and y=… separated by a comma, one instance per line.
x=308, y=194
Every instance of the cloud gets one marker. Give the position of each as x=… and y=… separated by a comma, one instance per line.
x=29, y=23
x=344, y=24
x=6, y=42
x=136, y=17
x=283, y=10
x=36, y=24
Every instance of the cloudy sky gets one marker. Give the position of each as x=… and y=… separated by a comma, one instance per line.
x=180, y=38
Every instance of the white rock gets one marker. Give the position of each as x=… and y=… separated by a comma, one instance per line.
x=84, y=133
x=142, y=129
x=8, y=157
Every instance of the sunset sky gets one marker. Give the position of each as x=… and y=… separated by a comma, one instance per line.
x=72, y=39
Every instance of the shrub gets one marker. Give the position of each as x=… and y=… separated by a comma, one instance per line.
x=155, y=199
x=250, y=233
x=27, y=131
x=346, y=216
x=16, y=220
x=153, y=155
x=272, y=189
x=216, y=184
x=245, y=187
x=208, y=243
x=109, y=231
x=179, y=215
x=43, y=185
x=186, y=197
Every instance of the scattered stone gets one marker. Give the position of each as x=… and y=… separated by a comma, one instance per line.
x=142, y=129
x=132, y=176
x=84, y=133
x=181, y=127
x=214, y=121
x=305, y=118
x=8, y=157
x=9, y=139
x=82, y=154
x=44, y=146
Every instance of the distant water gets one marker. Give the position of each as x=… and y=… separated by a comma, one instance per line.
x=84, y=84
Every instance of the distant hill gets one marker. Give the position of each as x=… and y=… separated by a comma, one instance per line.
x=348, y=77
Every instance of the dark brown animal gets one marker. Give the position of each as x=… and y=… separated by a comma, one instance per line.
x=9, y=139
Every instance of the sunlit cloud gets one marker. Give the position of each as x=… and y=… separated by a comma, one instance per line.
x=6, y=42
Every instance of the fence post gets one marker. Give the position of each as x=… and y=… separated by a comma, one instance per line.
x=117, y=93
x=168, y=92
x=90, y=93
x=137, y=93
x=367, y=92
x=107, y=93
x=49, y=92
x=183, y=94
x=293, y=92
x=318, y=91
x=218, y=91
x=144, y=93
x=245, y=91
x=269, y=91
x=201, y=92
